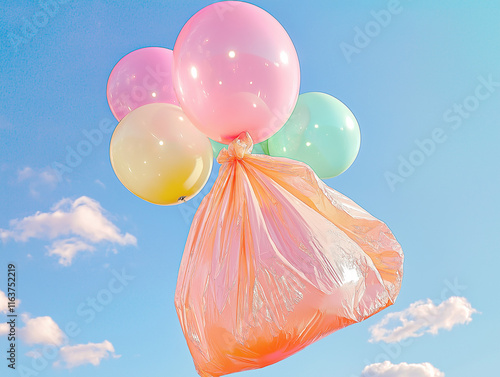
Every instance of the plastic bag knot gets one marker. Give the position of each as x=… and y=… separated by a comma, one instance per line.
x=237, y=149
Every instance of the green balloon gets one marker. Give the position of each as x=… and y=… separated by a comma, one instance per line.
x=263, y=146
x=217, y=147
x=322, y=132
x=260, y=148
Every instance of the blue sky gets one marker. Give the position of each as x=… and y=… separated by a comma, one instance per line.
x=430, y=71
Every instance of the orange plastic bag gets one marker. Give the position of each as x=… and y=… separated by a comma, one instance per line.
x=275, y=260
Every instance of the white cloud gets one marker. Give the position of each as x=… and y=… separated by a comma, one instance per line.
x=38, y=178
x=67, y=249
x=4, y=329
x=422, y=317
x=100, y=183
x=41, y=330
x=83, y=220
x=44, y=331
x=25, y=174
x=81, y=354
x=387, y=369
x=83, y=217
x=49, y=175
x=4, y=302
x=46, y=175
x=4, y=234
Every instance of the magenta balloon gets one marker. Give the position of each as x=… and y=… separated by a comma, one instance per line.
x=144, y=76
x=235, y=69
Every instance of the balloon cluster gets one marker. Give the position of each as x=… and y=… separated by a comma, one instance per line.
x=275, y=259
x=233, y=69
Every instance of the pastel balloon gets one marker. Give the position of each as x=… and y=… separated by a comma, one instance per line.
x=144, y=76
x=322, y=132
x=264, y=146
x=235, y=69
x=159, y=155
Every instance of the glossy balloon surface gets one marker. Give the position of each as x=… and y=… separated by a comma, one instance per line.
x=322, y=132
x=159, y=155
x=236, y=70
x=144, y=76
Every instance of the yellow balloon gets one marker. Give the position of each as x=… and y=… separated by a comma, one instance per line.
x=159, y=155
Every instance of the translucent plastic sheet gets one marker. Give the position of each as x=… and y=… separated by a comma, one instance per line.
x=275, y=260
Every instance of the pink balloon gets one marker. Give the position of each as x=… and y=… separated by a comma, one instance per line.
x=144, y=76
x=235, y=69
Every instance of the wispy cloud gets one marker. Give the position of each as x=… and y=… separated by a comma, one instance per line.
x=25, y=173
x=97, y=181
x=76, y=226
x=67, y=249
x=422, y=317
x=38, y=179
x=387, y=369
x=4, y=329
x=83, y=217
x=4, y=302
x=81, y=354
x=41, y=330
x=45, y=331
